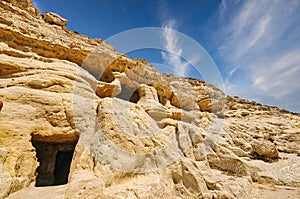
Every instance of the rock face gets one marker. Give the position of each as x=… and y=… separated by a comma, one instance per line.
x=88, y=122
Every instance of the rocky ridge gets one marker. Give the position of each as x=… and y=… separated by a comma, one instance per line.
x=137, y=133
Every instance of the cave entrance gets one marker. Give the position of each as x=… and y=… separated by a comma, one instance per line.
x=62, y=167
x=55, y=161
x=129, y=94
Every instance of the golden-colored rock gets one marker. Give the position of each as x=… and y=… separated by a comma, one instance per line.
x=80, y=114
x=210, y=105
x=108, y=89
x=264, y=149
x=54, y=18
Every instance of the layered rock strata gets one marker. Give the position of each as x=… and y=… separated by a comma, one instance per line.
x=137, y=133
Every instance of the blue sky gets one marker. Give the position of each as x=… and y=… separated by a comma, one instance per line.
x=254, y=43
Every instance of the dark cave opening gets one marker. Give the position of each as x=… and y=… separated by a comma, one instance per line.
x=62, y=167
x=129, y=94
x=55, y=161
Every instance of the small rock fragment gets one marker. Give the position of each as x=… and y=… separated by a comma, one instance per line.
x=54, y=18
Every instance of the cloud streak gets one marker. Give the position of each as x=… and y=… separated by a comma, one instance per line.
x=262, y=38
x=281, y=76
x=173, y=53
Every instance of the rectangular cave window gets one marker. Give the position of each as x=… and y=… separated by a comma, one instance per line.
x=55, y=161
x=62, y=167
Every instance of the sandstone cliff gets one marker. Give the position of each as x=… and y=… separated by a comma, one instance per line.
x=126, y=130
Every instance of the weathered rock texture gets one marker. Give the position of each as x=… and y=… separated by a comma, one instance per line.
x=138, y=133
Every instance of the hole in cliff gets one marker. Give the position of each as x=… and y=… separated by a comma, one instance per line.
x=107, y=76
x=162, y=99
x=55, y=161
x=129, y=94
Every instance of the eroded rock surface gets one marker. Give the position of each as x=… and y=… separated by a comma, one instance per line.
x=139, y=133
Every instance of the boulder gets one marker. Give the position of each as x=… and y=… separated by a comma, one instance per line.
x=264, y=150
x=54, y=18
x=108, y=89
x=210, y=105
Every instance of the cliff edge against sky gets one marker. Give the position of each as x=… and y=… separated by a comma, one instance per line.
x=80, y=120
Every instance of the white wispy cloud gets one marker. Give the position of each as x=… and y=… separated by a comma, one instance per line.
x=233, y=70
x=281, y=76
x=262, y=38
x=172, y=55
